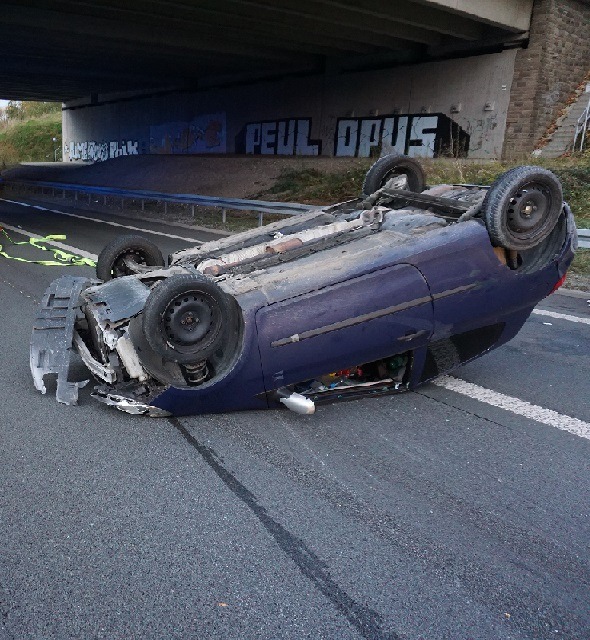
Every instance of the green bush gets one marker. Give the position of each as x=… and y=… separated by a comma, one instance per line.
x=30, y=140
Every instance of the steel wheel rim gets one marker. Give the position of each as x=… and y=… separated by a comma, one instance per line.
x=528, y=209
x=190, y=319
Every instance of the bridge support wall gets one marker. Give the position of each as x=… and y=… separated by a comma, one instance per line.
x=547, y=72
x=452, y=107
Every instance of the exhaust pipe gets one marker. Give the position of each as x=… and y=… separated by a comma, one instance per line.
x=296, y=402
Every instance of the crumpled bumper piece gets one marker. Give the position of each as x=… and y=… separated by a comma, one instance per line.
x=51, y=341
x=128, y=405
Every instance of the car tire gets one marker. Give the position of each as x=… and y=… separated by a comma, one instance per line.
x=389, y=166
x=522, y=207
x=110, y=263
x=184, y=316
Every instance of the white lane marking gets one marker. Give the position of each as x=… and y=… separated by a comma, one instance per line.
x=109, y=222
x=24, y=204
x=53, y=243
x=561, y=316
x=36, y=206
x=515, y=405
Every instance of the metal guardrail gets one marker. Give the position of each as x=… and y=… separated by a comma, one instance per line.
x=225, y=204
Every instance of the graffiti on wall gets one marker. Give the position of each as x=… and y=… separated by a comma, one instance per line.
x=203, y=134
x=278, y=137
x=415, y=135
x=99, y=151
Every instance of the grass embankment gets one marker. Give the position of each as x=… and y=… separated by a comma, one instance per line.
x=30, y=140
x=315, y=187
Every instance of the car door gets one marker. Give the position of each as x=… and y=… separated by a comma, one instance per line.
x=360, y=320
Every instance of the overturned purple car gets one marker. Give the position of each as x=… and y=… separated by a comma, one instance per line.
x=372, y=296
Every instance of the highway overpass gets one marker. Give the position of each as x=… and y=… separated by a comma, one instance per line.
x=126, y=71
x=68, y=49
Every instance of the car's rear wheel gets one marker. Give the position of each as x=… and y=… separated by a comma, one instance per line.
x=522, y=207
x=115, y=258
x=184, y=316
x=391, y=166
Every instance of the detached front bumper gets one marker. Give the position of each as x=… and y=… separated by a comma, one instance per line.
x=55, y=337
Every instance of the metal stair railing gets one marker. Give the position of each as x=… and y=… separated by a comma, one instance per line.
x=582, y=126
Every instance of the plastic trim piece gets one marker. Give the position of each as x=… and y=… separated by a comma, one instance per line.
x=53, y=333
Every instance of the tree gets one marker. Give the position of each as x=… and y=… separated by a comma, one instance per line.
x=19, y=110
x=36, y=109
x=14, y=110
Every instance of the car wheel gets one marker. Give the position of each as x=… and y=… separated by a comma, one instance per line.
x=183, y=318
x=390, y=166
x=111, y=261
x=522, y=207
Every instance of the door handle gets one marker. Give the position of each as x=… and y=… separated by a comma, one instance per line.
x=411, y=336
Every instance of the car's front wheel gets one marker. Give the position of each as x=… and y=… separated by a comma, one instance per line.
x=184, y=316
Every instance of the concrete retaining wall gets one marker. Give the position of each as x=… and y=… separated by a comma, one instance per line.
x=456, y=107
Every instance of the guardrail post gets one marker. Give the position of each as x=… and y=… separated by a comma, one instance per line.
x=224, y=216
x=142, y=204
x=63, y=194
x=76, y=196
x=193, y=210
x=165, y=208
x=260, y=215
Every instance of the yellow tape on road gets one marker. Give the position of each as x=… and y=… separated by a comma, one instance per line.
x=60, y=258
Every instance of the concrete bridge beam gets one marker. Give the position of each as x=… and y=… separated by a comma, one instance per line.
x=511, y=15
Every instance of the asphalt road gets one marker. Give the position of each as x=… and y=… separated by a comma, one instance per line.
x=426, y=515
